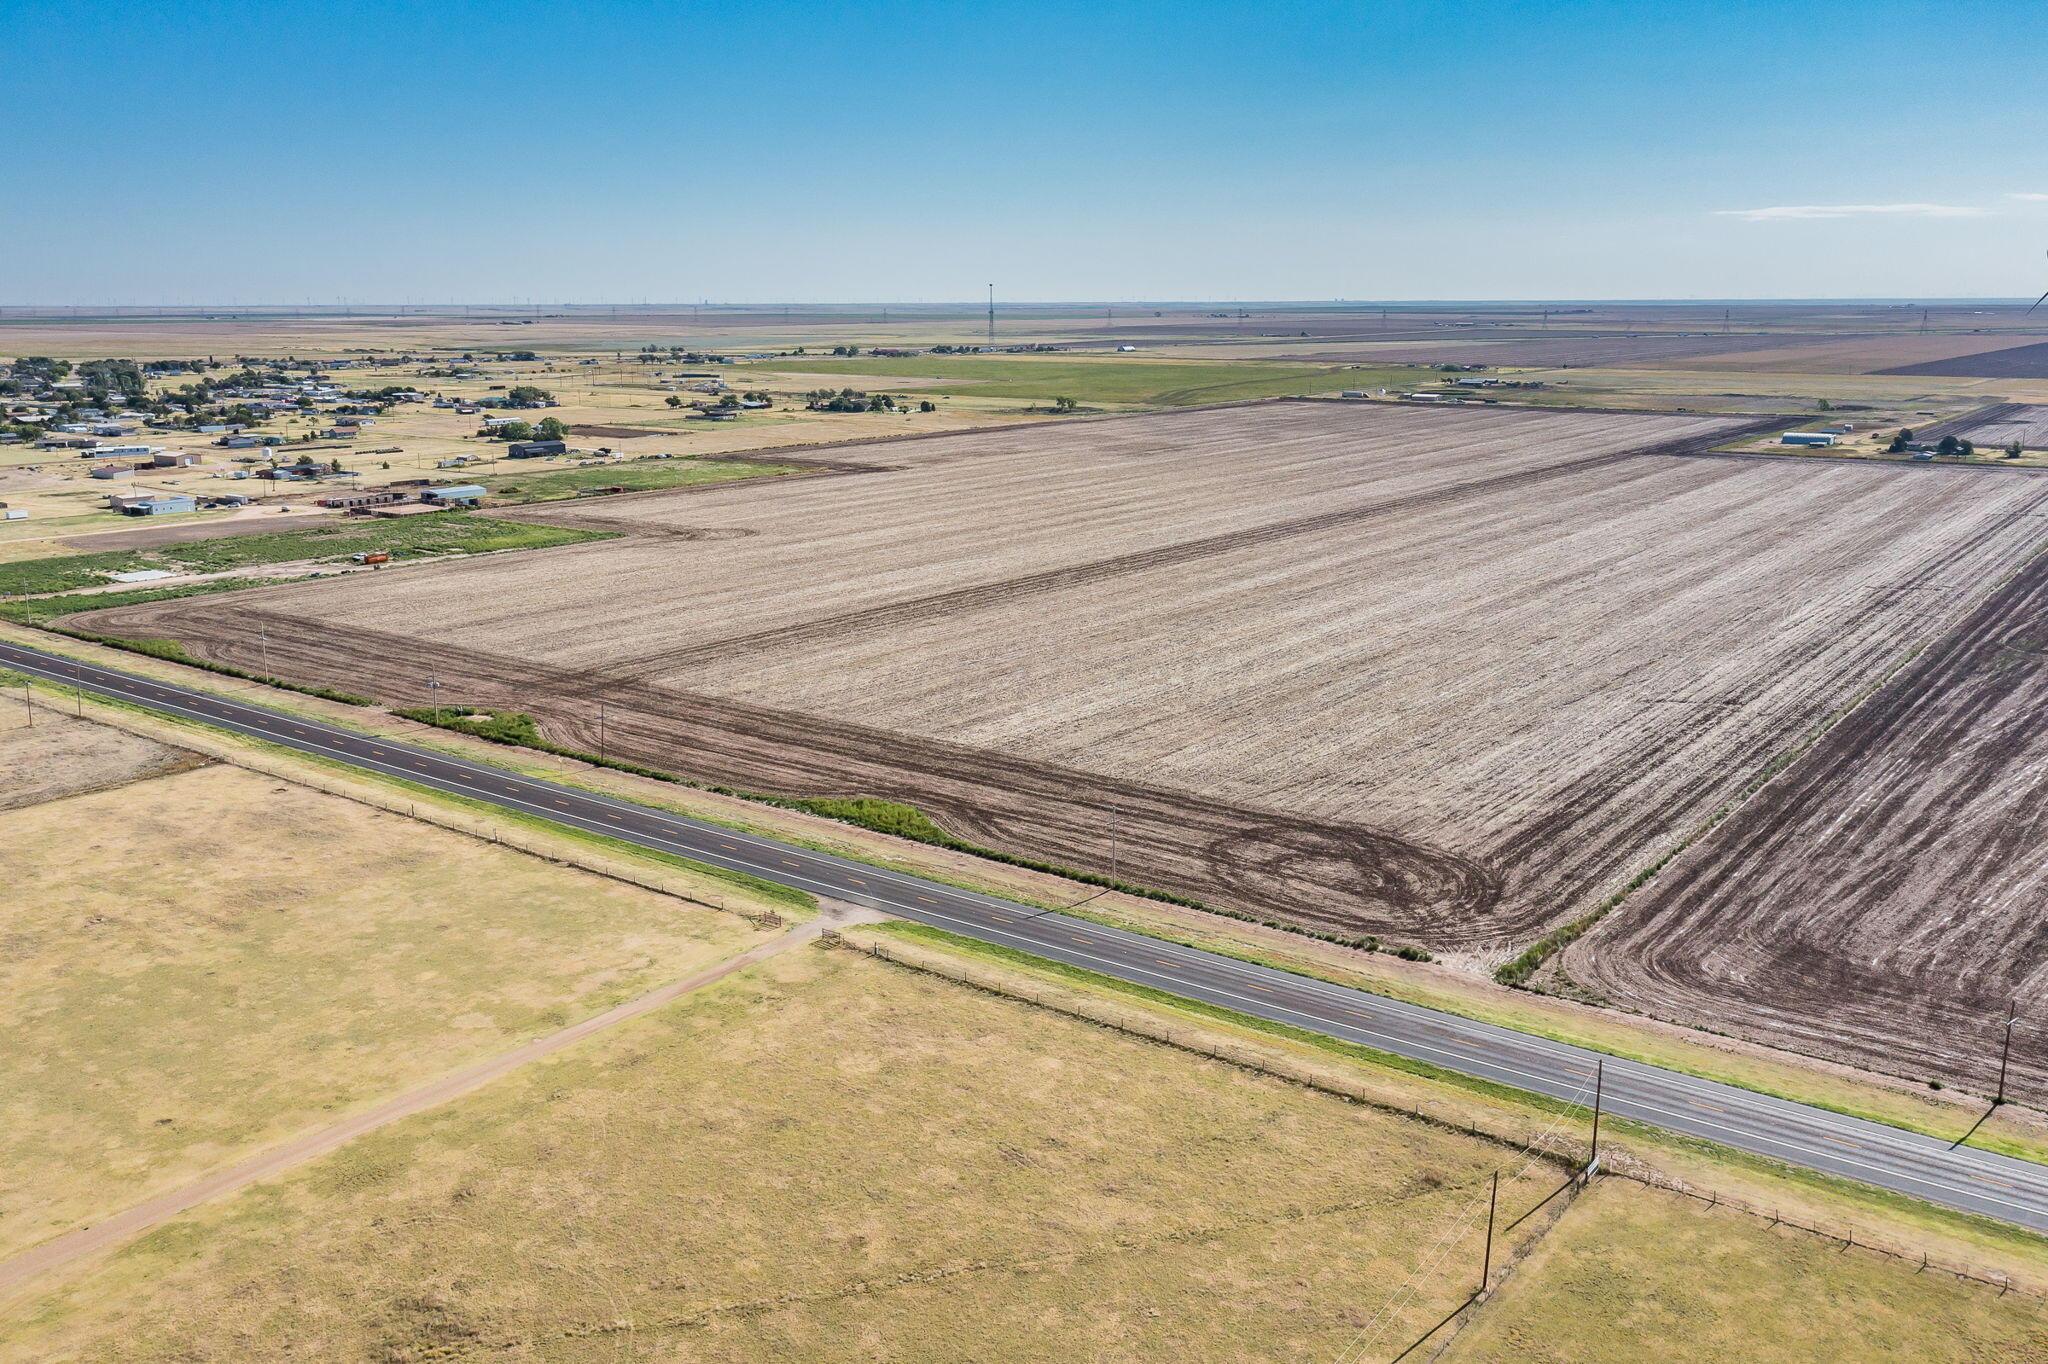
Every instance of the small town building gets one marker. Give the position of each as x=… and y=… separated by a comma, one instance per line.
x=1808, y=438
x=535, y=449
x=457, y=495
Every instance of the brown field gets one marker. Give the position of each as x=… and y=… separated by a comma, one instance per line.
x=46, y=754
x=2005, y=362
x=1879, y=902
x=1898, y=353
x=822, y=1158
x=1633, y=1274
x=1446, y=675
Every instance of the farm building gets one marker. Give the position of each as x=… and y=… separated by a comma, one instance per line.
x=152, y=504
x=535, y=449
x=459, y=495
x=1810, y=438
x=114, y=471
x=365, y=498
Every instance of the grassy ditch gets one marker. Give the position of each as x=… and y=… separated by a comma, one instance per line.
x=40, y=611
x=894, y=818
x=754, y=885
x=451, y=532
x=1095, y=980
x=1906, y=1212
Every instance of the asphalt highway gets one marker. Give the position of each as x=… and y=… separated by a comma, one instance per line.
x=1970, y=1180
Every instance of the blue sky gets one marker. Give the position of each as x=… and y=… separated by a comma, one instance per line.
x=853, y=152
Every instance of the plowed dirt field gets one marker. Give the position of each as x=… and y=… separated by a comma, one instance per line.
x=1880, y=901
x=1447, y=676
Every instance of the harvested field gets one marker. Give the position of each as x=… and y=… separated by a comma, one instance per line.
x=822, y=1158
x=1879, y=902
x=1633, y=1273
x=206, y=964
x=50, y=755
x=2026, y=423
x=1444, y=675
x=2008, y=362
x=1892, y=353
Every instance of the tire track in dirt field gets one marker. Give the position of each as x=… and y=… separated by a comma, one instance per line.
x=1342, y=878
x=1880, y=902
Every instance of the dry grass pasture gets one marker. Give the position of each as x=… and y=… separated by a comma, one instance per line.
x=1633, y=1273
x=1447, y=675
x=1880, y=901
x=824, y=1157
x=204, y=964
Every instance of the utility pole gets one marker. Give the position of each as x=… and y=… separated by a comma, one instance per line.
x=1599, y=1084
x=78, y=685
x=263, y=634
x=991, y=314
x=28, y=702
x=600, y=729
x=434, y=691
x=1492, y=1205
x=2012, y=1016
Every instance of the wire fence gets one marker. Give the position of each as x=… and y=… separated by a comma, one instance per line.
x=1922, y=1262
x=1536, y=1151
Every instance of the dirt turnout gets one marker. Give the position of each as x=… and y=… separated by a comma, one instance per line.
x=1880, y=902
x=1441, y=675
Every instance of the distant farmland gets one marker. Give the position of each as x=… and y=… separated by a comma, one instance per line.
x=2010, y=362
x=1448, y=676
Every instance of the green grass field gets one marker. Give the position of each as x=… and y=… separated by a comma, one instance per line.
x=1133, y=383
x=638, y=476
x=415, y=537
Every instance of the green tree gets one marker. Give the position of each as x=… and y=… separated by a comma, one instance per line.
x=514, y=431
x=550, y=428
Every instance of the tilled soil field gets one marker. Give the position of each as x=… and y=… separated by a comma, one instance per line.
x=1880, y=901
x=2008, y=362
x=1442, y=675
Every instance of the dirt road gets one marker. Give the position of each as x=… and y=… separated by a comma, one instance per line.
x=134, y=1221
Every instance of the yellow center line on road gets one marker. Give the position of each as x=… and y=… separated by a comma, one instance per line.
x=730, y=847
x=926, y=899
